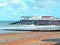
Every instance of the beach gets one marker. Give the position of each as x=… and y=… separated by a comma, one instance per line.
x=29, y=38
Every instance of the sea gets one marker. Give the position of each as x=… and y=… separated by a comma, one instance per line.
x=7, y=24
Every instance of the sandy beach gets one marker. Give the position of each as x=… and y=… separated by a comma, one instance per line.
x=29, y=38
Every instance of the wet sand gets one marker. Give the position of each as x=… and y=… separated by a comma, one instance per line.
x=29, y=38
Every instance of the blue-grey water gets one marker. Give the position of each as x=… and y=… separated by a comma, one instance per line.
x=6, y=24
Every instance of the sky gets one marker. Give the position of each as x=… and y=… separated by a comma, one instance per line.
x=12, y=10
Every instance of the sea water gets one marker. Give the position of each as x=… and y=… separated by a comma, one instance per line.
x=7, y=24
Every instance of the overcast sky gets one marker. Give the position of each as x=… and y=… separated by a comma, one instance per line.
x=13, y=9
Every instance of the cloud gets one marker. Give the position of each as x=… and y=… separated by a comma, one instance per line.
x=32, y=1
x=15, y=14
x=23, y=5
x=34, y=7
x=3, y=4
x=9, y=9
x=49, y=3
x=43, y=3
x=38, y=4
x=15, y=1
x=19, y=4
